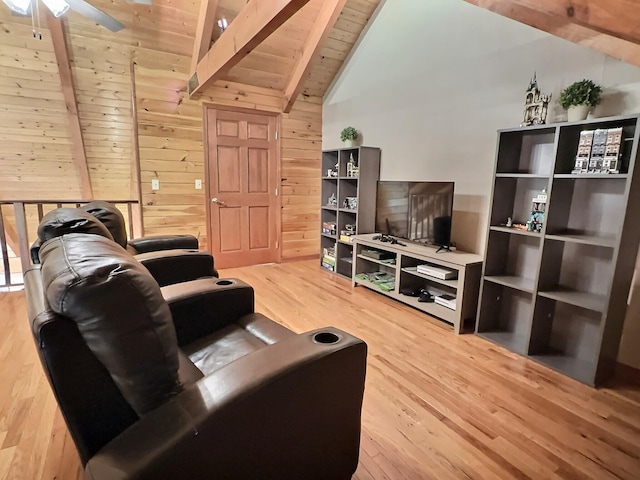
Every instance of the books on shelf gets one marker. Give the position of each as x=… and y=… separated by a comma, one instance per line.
x=328, y=263
x=446, y=300
x=441, y=273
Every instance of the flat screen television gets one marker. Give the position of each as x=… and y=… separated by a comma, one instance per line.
x=416, y=211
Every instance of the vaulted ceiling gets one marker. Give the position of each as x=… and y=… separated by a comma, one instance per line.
x=170, y=26
x=611, y=27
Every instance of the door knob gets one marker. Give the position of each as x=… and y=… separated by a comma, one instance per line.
x=219, y=202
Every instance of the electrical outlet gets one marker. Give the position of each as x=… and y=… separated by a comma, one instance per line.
x=198, y=184
x=155, y=184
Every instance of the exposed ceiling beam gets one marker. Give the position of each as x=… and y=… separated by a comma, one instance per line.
x=563, y=27
x=56, y=28
x=256, y=21
x=619, y=18
x=204, y=31
x=326, y=19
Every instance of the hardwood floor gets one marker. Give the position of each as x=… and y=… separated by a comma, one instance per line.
x=437, y=405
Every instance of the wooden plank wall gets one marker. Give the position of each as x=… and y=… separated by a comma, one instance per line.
x=35, y=148
x=170, y=127
x=102, y=78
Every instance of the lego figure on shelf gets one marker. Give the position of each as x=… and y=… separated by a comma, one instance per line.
x=352, y=167
x=536, y=220
x=332, y=201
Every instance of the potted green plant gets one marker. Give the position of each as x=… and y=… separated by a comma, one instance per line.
x=349, y=135
x=579, y=98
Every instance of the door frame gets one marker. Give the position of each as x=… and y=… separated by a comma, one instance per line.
x=205, y=141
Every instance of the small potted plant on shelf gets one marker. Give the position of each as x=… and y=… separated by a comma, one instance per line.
x=579, y=98
x=349, y=135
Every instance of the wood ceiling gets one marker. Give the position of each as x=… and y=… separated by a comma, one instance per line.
x=611, y=27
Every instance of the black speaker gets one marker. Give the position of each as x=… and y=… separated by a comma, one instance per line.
x=442, y=231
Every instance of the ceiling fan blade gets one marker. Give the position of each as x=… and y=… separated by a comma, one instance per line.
x=98, y=16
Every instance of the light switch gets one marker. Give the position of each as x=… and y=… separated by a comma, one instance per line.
x=155, y=184
x=198, y=184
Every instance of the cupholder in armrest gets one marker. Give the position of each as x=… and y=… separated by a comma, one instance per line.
x=225, y=282
x=327, y=338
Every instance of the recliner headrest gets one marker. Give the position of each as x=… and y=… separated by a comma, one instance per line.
x=62, y=221
x=120, y=313
x=112, y=218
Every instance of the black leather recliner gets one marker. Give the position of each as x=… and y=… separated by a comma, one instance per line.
x=188, y=381
x=113, y=219
x=166, y=266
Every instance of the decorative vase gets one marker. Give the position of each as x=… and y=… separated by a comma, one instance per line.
x=349, y=143
x=576, y=113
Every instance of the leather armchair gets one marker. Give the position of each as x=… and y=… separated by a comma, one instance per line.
x=166, y=266
x=188, y=381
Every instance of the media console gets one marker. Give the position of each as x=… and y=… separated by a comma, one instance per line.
x=391, y=268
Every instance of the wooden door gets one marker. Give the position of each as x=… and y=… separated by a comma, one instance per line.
x=242, y=187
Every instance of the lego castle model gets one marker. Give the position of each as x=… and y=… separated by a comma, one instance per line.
x=535, y=105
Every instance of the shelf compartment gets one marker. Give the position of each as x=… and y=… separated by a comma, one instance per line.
x=576, y=273
x=432, y=308
x=347, y=189
x=526, y=151
x=344, y=261
x=569, y=139
x=566, y=338
x=329, y=162
x=505, y=316
x=329, y=188
x=573, y=237
x=514, y=231
x=512, y=260
x=513, y=197
x=447, y=283
x=579, y=207
x=590, y=301
x=379, y=262
x=435, y=288
x=514, y=341
x=520, y=175
x=376, y=287
x=511, y=281
x=326, y=242
x=593, y=176
x=344, y=160
x=347, y=217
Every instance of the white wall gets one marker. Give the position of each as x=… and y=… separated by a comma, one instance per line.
x=432, y=81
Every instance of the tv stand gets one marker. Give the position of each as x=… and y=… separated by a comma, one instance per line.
x=386, y=260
